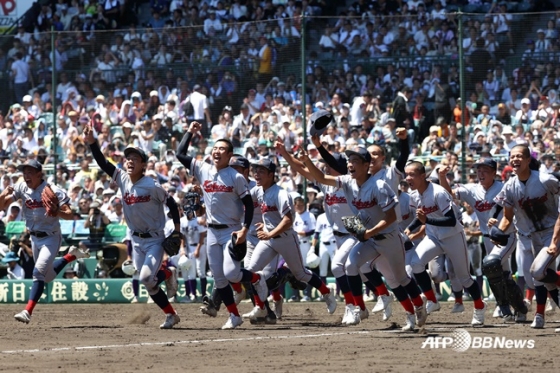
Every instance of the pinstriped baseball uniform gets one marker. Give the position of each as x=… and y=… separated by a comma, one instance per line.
x=223, y=190
x=36, y=220
x=143, y=206
x=275, y=204
x=370, y=202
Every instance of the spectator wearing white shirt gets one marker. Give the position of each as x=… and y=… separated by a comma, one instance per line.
x=162, y=58
x=423, y=35
x=15, y=271
x=212, y=24
x=328, y=41
x=491, y=86
x=439, y=11
x=22, y=77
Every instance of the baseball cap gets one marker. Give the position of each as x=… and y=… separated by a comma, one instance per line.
x=319, y=122
x=340, y=160
x=137, y=150
x=26, y=98
x=360, y=152
x=31, y=163
x=525, y=101
x=489, y=162
x=507, y=130
x=153, y=93
x=239, y=161
x=266, y=163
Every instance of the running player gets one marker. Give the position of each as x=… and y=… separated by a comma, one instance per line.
x=144, y=201
x=444, y=235
x=277, y=236
x=44, y=230
x=228, y=203
x=375, y=203
x=533, y=198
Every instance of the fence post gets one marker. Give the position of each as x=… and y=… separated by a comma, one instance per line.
x=54, y=139
x=303, y=98
x=462, y=93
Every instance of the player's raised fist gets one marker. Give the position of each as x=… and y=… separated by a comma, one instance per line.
x=401, y=133
x=279, y=145
x=8, y=191
x=443, y=170
x=194, y=127
x=88, y=134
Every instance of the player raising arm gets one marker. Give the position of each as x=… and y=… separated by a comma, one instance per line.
x=43, y=205
x=145, y=218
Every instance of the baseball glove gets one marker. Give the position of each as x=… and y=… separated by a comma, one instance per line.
x=172, y=244
x=498, y=236
x=354, y=226
x=50, y=201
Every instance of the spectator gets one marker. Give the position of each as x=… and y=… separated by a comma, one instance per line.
x=15, y=271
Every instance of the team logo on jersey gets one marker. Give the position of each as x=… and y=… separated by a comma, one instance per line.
x=484, y=206
x=332, y=199
x=33, y=204
x=131, y=199
x=430, y=209
x=404, y=217
x=266, y=208
x=213, y=187
x=360, y=205
x=530, y=202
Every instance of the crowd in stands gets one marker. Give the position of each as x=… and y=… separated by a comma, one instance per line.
x=221, y=63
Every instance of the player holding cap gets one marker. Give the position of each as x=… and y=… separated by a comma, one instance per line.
x=496, y=265
x=228, y=202
x=533, y=197
x=42, y=222
x=277, y=236
x=145, y=218
x=444, y=235
x=373, y=201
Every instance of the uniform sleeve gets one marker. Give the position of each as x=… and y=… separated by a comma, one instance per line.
x=552, y=185
x=385, y=196
x=18, y=194
x=202, y=228
x=443, y=201
x=241, y=186
x=118, y=178
x=503, y=198
x=159, y=194
x=285, y=205
x=63, y=198
x=462, y=193
x=312, y=222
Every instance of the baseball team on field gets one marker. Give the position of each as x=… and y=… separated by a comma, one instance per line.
x=392, y=228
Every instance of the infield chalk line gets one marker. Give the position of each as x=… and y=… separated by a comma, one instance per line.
x=171, y=343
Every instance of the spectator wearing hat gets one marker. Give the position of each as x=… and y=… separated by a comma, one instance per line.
x=96, y=222
x=15, y=271
x=524, y=115
x=544, y=112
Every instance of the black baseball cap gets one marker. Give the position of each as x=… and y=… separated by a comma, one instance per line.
x=266, y=163
x=488, y=162
x=239, y=161
x=137, y=150
x=319, y=121
x=31, y=163
x=360, y=152
x=341, y=162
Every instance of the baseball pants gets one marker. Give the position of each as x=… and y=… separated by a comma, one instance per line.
x=224, y=269
x=147, y=257
x=475, y=257
x=338, y=262
x=503, y=252
x=326, y=253
x=270, y=268
x=454, y=247
x=387, y=255
x=269, y=252
x=543, y=260
x=441, y=269
x=44, y=253
x=524, y=257
x=304, y=247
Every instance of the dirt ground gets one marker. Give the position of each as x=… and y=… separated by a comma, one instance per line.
x=127, y=338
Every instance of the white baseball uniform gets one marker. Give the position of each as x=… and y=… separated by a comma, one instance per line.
x=327, y=243
x=304, y=223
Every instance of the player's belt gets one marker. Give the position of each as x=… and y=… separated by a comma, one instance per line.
x=379, y=237
x=39, y=234
x=218, y=226
x=142, y=235
x=340, y=234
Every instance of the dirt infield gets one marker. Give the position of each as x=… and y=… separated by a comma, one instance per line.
x=127, y=338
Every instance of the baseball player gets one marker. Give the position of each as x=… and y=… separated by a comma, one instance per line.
x=533, y=198
x=304, y=226
x=42, y=222
x=144, y=201
x=336, y=207
x=277, y=236
x=373, y=201
x=391, y=175
x=228, y=203
x=444, y=235
x=324, y=234
x=496, y=265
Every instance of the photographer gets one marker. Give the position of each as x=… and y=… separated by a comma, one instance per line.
x=22, y=247
x=96, y=222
